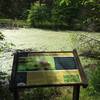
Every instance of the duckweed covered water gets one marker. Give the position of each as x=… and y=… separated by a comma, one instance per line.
x=39, y=40
x=33, y=39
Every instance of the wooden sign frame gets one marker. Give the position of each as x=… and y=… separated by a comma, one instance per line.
x=76, y=86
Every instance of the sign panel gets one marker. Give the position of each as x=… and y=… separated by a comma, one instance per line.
x=47, y=69
x=48, y=61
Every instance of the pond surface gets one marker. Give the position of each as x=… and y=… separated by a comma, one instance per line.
x=39, y=40
x=35, y=39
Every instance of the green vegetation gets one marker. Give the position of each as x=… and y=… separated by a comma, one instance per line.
x=66, y=14
x=95, y=81
x=38, y=15
x=14, y=9
x=53, y=14
x=1, y=36
x=88, y=49
x=47, y=94
x=4, y=89
x=1, y=39
x=11, y=23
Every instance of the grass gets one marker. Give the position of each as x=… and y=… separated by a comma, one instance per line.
x=13, y=23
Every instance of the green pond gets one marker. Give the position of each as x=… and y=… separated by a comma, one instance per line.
x=37, y=40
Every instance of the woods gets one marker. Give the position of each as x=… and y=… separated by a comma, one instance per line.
x=54, y=14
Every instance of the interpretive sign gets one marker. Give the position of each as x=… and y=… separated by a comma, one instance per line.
x=35, y=69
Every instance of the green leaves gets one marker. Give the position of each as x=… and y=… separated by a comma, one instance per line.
x=1, y=36
x=66, y=2
x=96, y=79
x=38, y=14
x=71, y=14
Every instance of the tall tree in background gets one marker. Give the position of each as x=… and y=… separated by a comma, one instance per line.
x=14, y=8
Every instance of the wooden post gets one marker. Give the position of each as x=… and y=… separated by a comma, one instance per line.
x=76, y=92
x=16, y=95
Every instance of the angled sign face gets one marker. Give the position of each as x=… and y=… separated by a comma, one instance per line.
x=33, y=69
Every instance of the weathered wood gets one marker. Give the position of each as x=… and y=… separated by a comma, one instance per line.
x=76, y=91
x=16, y=95
x=75, y=85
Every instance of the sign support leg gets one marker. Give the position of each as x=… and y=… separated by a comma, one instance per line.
x=76, y=91
x=16, y=95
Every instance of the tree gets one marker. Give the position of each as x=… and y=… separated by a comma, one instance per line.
x=38, y=14
x=14, y=8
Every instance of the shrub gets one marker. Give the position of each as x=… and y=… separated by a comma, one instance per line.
x=95, y=80
x=39, y=14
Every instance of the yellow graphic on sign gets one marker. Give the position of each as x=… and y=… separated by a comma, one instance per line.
x=65, y=54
